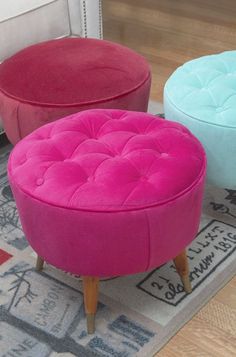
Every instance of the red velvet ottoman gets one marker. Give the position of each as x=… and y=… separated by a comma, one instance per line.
x=109, y=192
x=52, y=79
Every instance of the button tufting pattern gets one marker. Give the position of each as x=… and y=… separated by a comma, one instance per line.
x=205, y=89
x=107, y=160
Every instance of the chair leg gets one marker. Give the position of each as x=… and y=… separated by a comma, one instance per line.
x=90, y=285
x=182, y=267
x=39, y=263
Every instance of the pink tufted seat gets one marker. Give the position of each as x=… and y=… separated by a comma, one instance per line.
x=108, y=192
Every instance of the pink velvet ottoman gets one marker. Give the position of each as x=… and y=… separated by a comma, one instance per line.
x=107, y=193
x=56, y=78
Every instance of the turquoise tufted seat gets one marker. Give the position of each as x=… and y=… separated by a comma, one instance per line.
x=201, y=94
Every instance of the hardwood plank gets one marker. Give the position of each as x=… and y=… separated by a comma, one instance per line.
x=169, y=32
x=227, y=295
x=180, y=346
x=186, y=22
x=212, y=339
x=219, y=315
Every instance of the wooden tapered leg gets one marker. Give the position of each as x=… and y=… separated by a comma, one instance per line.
x=39, y=263
x=90, y=285
x=182, y=267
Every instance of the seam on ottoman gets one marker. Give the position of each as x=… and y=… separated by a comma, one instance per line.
x=197, y=119
x=54, y=105
x=133, y=209
x=149, y=241
x=18, y=121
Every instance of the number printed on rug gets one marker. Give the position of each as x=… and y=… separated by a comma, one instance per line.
x=213, y=244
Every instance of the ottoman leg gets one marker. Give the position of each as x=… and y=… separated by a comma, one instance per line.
x=39, y=263
x=182, y=267
x=90, y=285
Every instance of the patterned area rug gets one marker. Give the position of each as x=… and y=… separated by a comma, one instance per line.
x=41, y=314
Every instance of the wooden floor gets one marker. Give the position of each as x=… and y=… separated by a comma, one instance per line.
x=168, y=33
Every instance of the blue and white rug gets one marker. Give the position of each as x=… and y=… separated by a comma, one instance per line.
x=41, y=313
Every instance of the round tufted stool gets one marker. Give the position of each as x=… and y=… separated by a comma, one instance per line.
x=56, y=78
x=107, y=193
x=201, y=94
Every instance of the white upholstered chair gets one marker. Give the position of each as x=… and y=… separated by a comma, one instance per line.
x=26, y=22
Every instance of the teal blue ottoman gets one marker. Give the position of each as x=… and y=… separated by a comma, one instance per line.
x=201, y=94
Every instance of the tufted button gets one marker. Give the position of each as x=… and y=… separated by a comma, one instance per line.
x=90, y=178
x=143, y=178
x=39, y=137
x=219, y=109
x=39, y=181
x=23, y=161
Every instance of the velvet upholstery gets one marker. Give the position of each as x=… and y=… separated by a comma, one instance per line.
x=47, y=81
x=201, y=95
x=108, y=181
